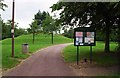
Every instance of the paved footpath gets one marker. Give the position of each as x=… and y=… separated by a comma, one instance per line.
x=46, y=62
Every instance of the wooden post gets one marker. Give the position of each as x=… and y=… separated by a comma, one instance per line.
x=90, y=54
x=77, y=55
x=12, y=31
x=52, y=37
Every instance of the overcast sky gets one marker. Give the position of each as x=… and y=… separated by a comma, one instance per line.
x=25, y=10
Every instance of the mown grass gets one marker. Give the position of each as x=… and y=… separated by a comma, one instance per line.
x=99, y=56
x=41, y=41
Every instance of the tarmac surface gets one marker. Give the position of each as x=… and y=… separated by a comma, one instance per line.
x=46, y=62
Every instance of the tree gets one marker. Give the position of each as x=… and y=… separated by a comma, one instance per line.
x=2, y=5
x=107, y=21
x=29, y=30
x=34, y=28
x=49, y=25
x=20, y=31
x=98, y=15
x=40, y=16
x=6, y=29
x=117, y=14
x=36, y=25
x=69, y=33
x=118, y=35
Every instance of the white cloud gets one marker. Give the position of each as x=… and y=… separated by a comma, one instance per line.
x=26, y=9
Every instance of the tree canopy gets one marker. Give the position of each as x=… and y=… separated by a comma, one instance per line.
x=6, y=29
x=99, y=15
x=2, y=5
x=49, y=24
x=40, y=16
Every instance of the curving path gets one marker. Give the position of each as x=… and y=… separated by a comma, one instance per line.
x=46, y=62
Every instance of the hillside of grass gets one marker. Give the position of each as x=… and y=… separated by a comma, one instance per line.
x=41, y=41
x=99, y=56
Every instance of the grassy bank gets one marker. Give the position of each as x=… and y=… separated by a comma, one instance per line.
x=41, y=41
x=99, y=56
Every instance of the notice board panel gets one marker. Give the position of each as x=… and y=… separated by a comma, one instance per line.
x=84, y=36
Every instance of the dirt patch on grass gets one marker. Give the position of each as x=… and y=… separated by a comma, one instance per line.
x=87, y=69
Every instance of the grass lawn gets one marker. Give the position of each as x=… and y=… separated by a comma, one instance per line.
x=41, y=41
x=99, y=57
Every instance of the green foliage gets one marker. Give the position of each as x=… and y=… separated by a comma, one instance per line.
x=0, y=28
x=49, y=24
x=6, y=30
x=40, y=16
x=44, y=23
x=69, y=33
x=29, y=30
x=34, y=27
x=20, y=31
x=100, y=36
x=99, y=15
x=2, y=5
x=42, y=40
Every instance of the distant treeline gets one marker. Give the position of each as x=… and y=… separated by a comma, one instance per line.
x=6, y=30
x=100, y=36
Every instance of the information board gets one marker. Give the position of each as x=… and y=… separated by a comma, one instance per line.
x=84, y=36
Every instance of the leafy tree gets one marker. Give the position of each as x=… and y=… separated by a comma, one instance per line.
x=40, y=16
x=69, y=33
x=29, y=30
x=6, y=30
x=106, y=20
x=20, y=31
x=100, y=16
x=36, y=25
x=118, y=33
x=2, y=5
x=119, y=36
x=34, y=28
x=49, y=25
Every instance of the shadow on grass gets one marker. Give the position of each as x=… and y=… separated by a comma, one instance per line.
x=101, y=58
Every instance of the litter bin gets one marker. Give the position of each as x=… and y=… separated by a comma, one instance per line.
x=25, y=48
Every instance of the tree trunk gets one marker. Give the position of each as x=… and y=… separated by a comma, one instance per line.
x=118, y=37
x=107, y=36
